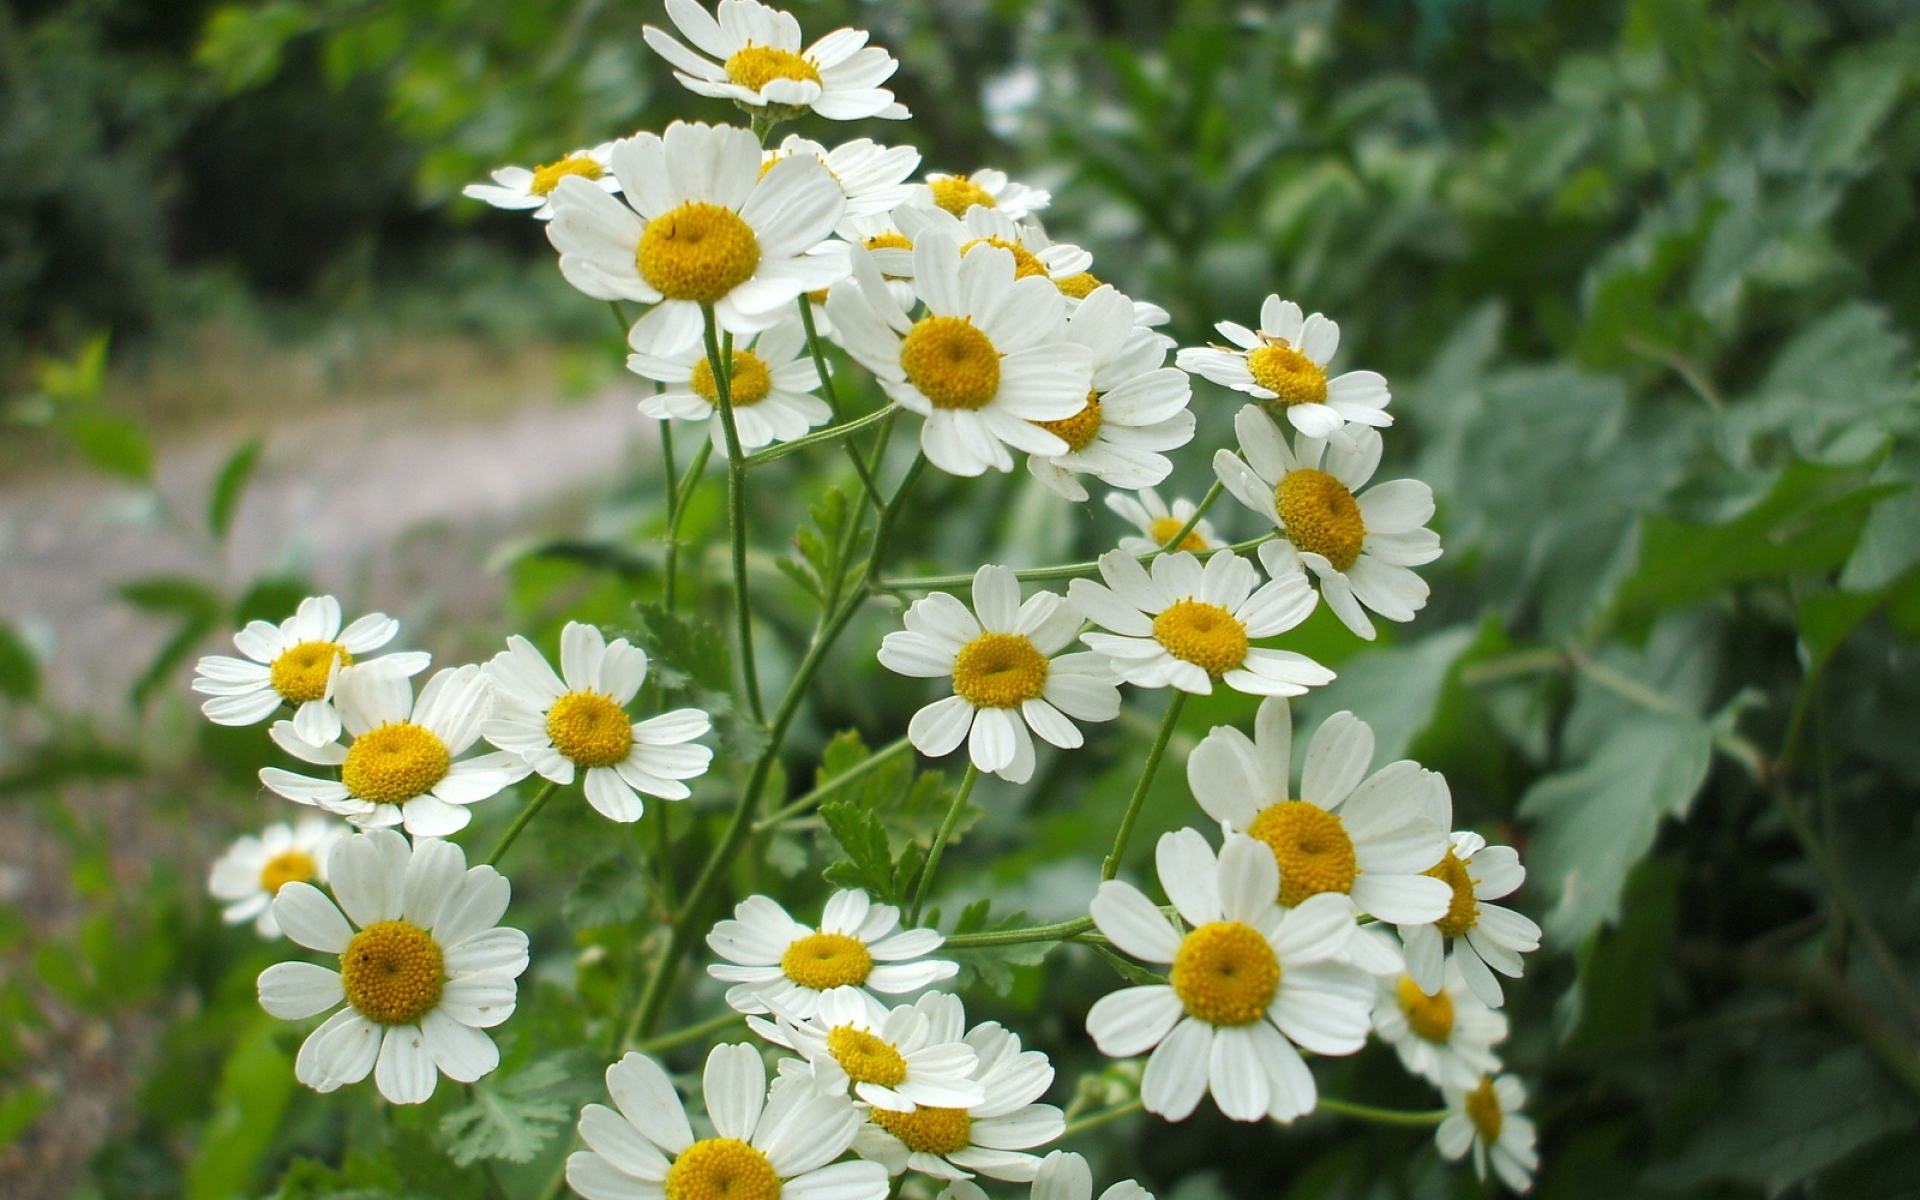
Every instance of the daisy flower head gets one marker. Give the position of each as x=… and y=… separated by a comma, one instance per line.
x=1157, y=523
x=1475, y=936
x=1249, y=982
x=1360, y=545
x=1283, y=366
x=989, y=357
x=1186, y=625
x=254, y=869
x=778, y=965
x=700, y=225
x=521, y=188
x=1033, y=252
x=766, y=1143
x=985, y=188
x=1446, y=1038
x=296, y=663
x=750, y=53
x=1007, y=670
x=769, y=387
x=577, y=721
x=402, y=764
x=1064, y=1175
x=990, y=1137
x=871, y=176
x=424, y=966
x=893, y=1059
x=1487, y=1120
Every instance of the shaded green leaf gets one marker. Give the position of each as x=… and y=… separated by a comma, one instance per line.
x=231, y=484
x=509, y=1119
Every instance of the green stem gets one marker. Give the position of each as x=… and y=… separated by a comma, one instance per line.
x=720, y=361
x=939, y=847
x=1384, y=1116
x=668, y=477
x=833, y=402
x=1106, y=1117
x=932, y=583
x=1111, y=867
x=663, y=854
x=520, y=821
x=692, y=1033
x=878, y=758
x=780, y=450
x=1193, y=522
x=1061, y=932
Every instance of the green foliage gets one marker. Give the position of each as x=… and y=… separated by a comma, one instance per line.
x=509, y=1118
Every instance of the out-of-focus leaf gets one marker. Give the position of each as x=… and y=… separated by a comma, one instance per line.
x=243, y=44
x=255, y=1084
x=114, y=445
x=19, y=670
x=1889, y=544
x=1395, y=690
x=19, y=1109
x=612, y=891
x=1613, y=1001
x=230, y=485
x=508, y=1119
x=200, y=611
x=693, y=649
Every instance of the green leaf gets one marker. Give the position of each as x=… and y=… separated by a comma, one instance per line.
x=693, y=649
x=255, y=1085
x=863, y=838
x=1889, y=544
x=230, y=485
x=992, y=966
x=20, y=1109
x=1613, y=1000
x=1396, y=689
x=508, y=1119
x=114, y=445
x=77, y=381
x=244, y=45
x=19, y=669
x=612, y=891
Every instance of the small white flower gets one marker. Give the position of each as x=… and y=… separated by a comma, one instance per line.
x=1446, y=1038
x=1474, y=935
x=1063, y=1175
x=892, y=1058
x=1358, y=544
x=781, y=966
x=520, y=188
x=428, y=969
x=403, y=764
x=1245, y=972
x=1157, y=523
x=254, y=869
x=756, y=62
x=772, y=376
x=1186, y=625
x=870, y=175
x=1006, y=678
x=765, y=1143
x=1486, y=1119
x=578, y=721
x=1033, y=252
x=294, y=663
x=987, y=188
x=1283, y=365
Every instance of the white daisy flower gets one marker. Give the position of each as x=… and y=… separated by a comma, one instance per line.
x=989, y=1138
x=1006, y=678
x=403, y=764
x=765, y=1143
x=990, y=356
x=871, y=176
x=1283, y=365
x=1033, y=252
x=294, y=663
x=986, y=188
x=520, y=188
x=892, y=253
x=254, y=869
x=1446, y=1038
x=1136, y=408
x=1474, y=935
x=1244, y=973
x=772, y=376
x=1186, y=625
x=428, y=968
x=700, y=226
x=1157, y=523
x=891, y=1058
x=751, y=55
x=1359, y=545
x=1486, y=1119
x=577, y=720
x=1063, y=1175
x=781, y=966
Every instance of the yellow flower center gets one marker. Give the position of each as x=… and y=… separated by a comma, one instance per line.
x=300, y=674
x=1203, y=634
x=1321, y=516
x=1312, y=847
x=1025, y=264
x=953, y=364
x=928, y=1130
x=866, y=1058
x=1463, y=913
x=394, y=763
x=1078, y=286
x=754, y=67
x=750, y=382
x=1226, y=974
x=1483, y=1109
x=1288, y=374
x=1163, y=529
x=957, y=194
x=827, y=960
x=697, y=252
x=889, y=241
x=590, y=729
x=392, y=972
x=1429, y=1016
x=999, y=670
x=290, y=866
x=1078, y=430
x=547, y=178
x=722, y=1169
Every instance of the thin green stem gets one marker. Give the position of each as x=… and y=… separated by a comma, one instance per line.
x=940, y=839
x=878, y=758
x=833, y=402
x=692, y=1033
x=1105, y=1117
x=1111, y=867
x=780, y=450
x=1193, y=522
x=931, y=583
x=668, y=477
x=1060, y=932
x=663, y=853
x=720, y=360
x=1425, y=1118
x=520, y=821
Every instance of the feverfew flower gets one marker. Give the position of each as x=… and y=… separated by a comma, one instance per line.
x=1244, y=973
x=893, y=1059
x=520, y=188
x=756, y=62
x=1157, y=523
x=1006, y=679
x=987, y=188
x=870, y=175
x=1359, y=546
x=772, y=376
x=577, y=720
x=1186, y=626
x=294, y=663
x=254, y=869
x=766, y=1143
x=1486, y=1118
x=1064, y=1175
x=1283, y=365
x=427, y=970
x=1033, y=252
x=1474, y=934
x=781, y=966
x=1446, y=1038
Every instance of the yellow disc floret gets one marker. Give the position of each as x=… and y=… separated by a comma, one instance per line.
x=1290, y=375
x=1078, y=430
x=1429, y=1016
x=1463, y=913
x=1025, y=265
x=590, y=729
x=827, y=960
x=957, y=194
x=1203, y=634
x=1080, y=286
x=722, y=1169
x=392, y=972
x=1225, y=973
x=548, y=177
x=289, y=866
x=999, y=670
x=750, y=382
x=889, y=241
x=1312, y=847
x=928, y=1130
x=754, y=67
x=394, y=763
x=1483, y=1109
x=1321, y=516
x=1163, y=529
x=952, y=363
x=697, y=252
x=300, y=673
x=866, y=1058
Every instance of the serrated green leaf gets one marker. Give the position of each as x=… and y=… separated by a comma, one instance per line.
x=231, y=484
x=612, y=891
x=695, y=648
x=508, y=1119
x=864, y=840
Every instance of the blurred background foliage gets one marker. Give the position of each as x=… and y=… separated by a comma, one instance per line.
x=1645, y=275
